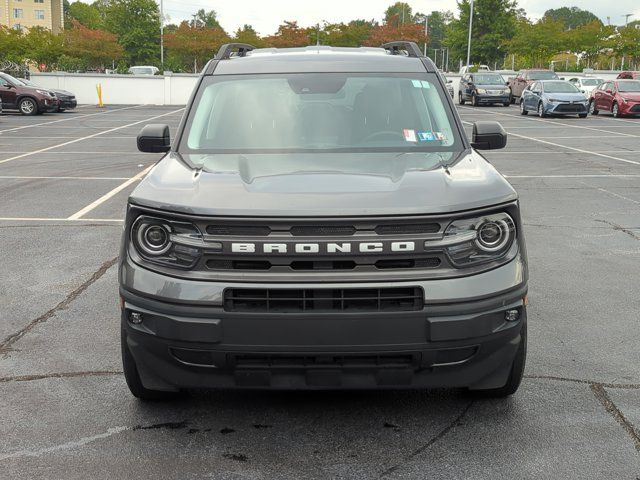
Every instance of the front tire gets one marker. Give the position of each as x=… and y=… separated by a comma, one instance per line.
x=523, y=110
x=615, y=110
x=132, y=377
x=515, y=375
x=541, y=112
x=474, y=100
x=461, y=100
x=28, y=106
x=592, y=108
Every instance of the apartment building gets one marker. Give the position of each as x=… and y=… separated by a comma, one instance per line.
x=24, y=14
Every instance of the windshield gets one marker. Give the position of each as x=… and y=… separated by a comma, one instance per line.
x=320, y=113
x=13, y=80
x=488, y=79
x=560, y=87
x=141, y=70
x=591, y=82
x=542, y=75
x=629, y=86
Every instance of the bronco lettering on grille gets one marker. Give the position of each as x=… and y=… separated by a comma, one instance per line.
x=327, y=247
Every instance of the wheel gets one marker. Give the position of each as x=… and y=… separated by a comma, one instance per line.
x=541, y=112
x=512, y=99
x=615, y=110
x=461, y=100
x=506, y=104
x=582, y=115
x=515, y=375
x=133, y=378
x=60, y=110
x=592, y=108
x=523, y=111
x=474, y=100
x=28, y=106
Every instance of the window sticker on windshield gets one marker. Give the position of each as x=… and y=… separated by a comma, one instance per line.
x=425, y=84
x=426, y=136
x=416, y=83
x=440, y=136
x=410, y=135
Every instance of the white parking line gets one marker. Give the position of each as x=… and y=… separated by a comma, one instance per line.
x=97, y=134
x=539, y=152
x=68, y=119
x=36, y=219
x=587, y=152
x=542, y=120
x=108, y=195
x=16, y=177
x=575, y=176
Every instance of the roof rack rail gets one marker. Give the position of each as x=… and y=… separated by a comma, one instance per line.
x=225, y=50
x=395, y=48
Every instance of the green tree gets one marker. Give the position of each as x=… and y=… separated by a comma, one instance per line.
x=89, y=48
x=494, y=23
x=191, y=47
x=43, y=47
x=137, y=26
x=571, y=17
x=626, y=43
x=289, y=34
x=400, y=12
x=352, y=34
x=12, y=45
x=589, y=40
x=87, y=14
x=204, y=19
x=437, y=23
x=535, y=44
x=247, y=34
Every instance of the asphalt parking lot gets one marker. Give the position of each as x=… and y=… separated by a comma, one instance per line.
x=67, y=413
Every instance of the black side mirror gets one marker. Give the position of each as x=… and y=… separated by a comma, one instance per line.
x=488, y=136
x=154, y=138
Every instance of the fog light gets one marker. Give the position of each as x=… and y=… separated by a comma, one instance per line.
x=512, y=315
x=135, y=317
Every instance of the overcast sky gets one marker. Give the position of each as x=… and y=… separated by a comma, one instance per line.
x=266, y=15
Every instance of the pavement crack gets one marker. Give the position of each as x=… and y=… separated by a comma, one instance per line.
x=44, y=376
x=603, y=397
x=14, y=337
x=456, y=421
x=620, y=228
x=622, y=386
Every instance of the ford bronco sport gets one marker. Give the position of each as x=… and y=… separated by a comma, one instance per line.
x=321, y=221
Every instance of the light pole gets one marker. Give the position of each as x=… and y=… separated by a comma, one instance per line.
x=162, y=35
x=470, y=27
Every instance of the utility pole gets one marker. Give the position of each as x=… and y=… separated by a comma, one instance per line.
x=318, y=36
x=426, y=33
x=470, y=27
x=162, y=35
x=435, y=56
x=626, y=18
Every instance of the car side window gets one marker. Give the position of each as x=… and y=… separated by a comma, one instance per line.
x=3, y=82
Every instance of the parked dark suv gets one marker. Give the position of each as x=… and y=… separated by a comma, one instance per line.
x=321, y=221
x=27, y=100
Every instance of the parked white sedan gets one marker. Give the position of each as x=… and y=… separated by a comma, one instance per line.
x=586, y=84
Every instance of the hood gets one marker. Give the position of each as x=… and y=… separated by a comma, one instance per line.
x=491, y=86
x=64, y=93
x=568, y=97
x=472, y=183
x=633, y=96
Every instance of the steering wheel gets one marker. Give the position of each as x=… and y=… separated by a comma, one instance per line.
x=385, y=133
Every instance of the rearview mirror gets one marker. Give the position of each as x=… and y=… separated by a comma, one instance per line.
x=488, y=136
x=154, y=138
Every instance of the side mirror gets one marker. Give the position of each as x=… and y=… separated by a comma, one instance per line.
x=608, y=90
x=488, y=136
x=154, y=138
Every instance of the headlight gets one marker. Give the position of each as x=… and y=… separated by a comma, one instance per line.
x=554, y=100
x=168, y=242
x=624, y=99
x=480, y=90
x=45, y=93
x=506, y=91
x=479, y=240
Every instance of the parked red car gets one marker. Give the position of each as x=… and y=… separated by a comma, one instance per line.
x=628, y=75
x=620, y=97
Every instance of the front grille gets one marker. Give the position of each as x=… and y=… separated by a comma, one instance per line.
x=322, y=231
x=407, y=229
x=314, y=300
x=635, y=108
x=276, y=361
x=568, y=107
x=287, y=264
x=238, y=230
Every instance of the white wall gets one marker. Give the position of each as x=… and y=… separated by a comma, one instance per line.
x=170, y=89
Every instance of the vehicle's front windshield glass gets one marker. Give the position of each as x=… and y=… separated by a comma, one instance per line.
x=488, y=79
x=13, y=80
x=560, y=87
x=320, y=113
x=591, y=82
x=542, y=75
x=629, y=86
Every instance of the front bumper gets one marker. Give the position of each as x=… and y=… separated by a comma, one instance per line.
x=459, y=339
x=48, y=104
x=567, y=108
x=629, y=108
x=67, y=103
x=489, y=98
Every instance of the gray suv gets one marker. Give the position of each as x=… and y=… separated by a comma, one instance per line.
x=321, y=221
